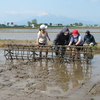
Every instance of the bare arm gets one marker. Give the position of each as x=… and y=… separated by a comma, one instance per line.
x=48, y=37
x=78, y=42
x=37, y=41
x=70, y=43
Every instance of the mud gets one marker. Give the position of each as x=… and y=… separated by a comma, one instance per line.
x=47, y=80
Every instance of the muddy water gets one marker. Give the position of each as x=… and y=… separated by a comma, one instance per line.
x=96, y=67
x=48, y=77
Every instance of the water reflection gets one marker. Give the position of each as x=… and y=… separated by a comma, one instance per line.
x=80, y=73
x=53, y=78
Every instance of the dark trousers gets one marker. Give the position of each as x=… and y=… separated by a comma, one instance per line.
x=60, y=51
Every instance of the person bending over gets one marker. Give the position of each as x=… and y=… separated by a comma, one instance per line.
x=62, y=38
x=89, y=39
x=76, y=40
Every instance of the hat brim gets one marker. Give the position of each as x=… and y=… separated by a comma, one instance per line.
x=46, y=26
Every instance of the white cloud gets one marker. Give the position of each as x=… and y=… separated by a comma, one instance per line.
x=42, y=13
x=38, y=13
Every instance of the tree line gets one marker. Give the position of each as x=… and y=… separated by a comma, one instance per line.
x=34, y=22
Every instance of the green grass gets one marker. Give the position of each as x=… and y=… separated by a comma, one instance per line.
x=96, y=47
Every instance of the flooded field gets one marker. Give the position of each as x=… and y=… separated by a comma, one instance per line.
x=48, y=80
x=31, y=34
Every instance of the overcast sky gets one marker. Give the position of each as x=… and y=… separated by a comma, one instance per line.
x=16, y=10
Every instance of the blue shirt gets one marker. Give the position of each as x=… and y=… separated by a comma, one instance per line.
x=74, y=40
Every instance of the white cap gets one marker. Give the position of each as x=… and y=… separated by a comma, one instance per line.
x=43, y=26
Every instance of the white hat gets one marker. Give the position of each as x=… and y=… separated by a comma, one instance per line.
x=43, y=26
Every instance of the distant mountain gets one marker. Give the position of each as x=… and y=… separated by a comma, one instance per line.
x=50, y=18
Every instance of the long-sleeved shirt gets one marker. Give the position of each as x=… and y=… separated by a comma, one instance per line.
x=62, y=39
x=89, y=38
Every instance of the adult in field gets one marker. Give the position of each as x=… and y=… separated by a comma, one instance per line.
x=89, y=39
x=62, y=38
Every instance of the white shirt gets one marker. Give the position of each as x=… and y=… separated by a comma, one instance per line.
x=42, y=37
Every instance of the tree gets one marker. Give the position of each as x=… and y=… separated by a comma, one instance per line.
x=12, y=23
x=95, y=24
x=75, y=24
x=7, y=23
x=71, y=24
x=80, y=24
x=59, y=24
x=29, y=23
x=34, y=21
x=50, y=24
